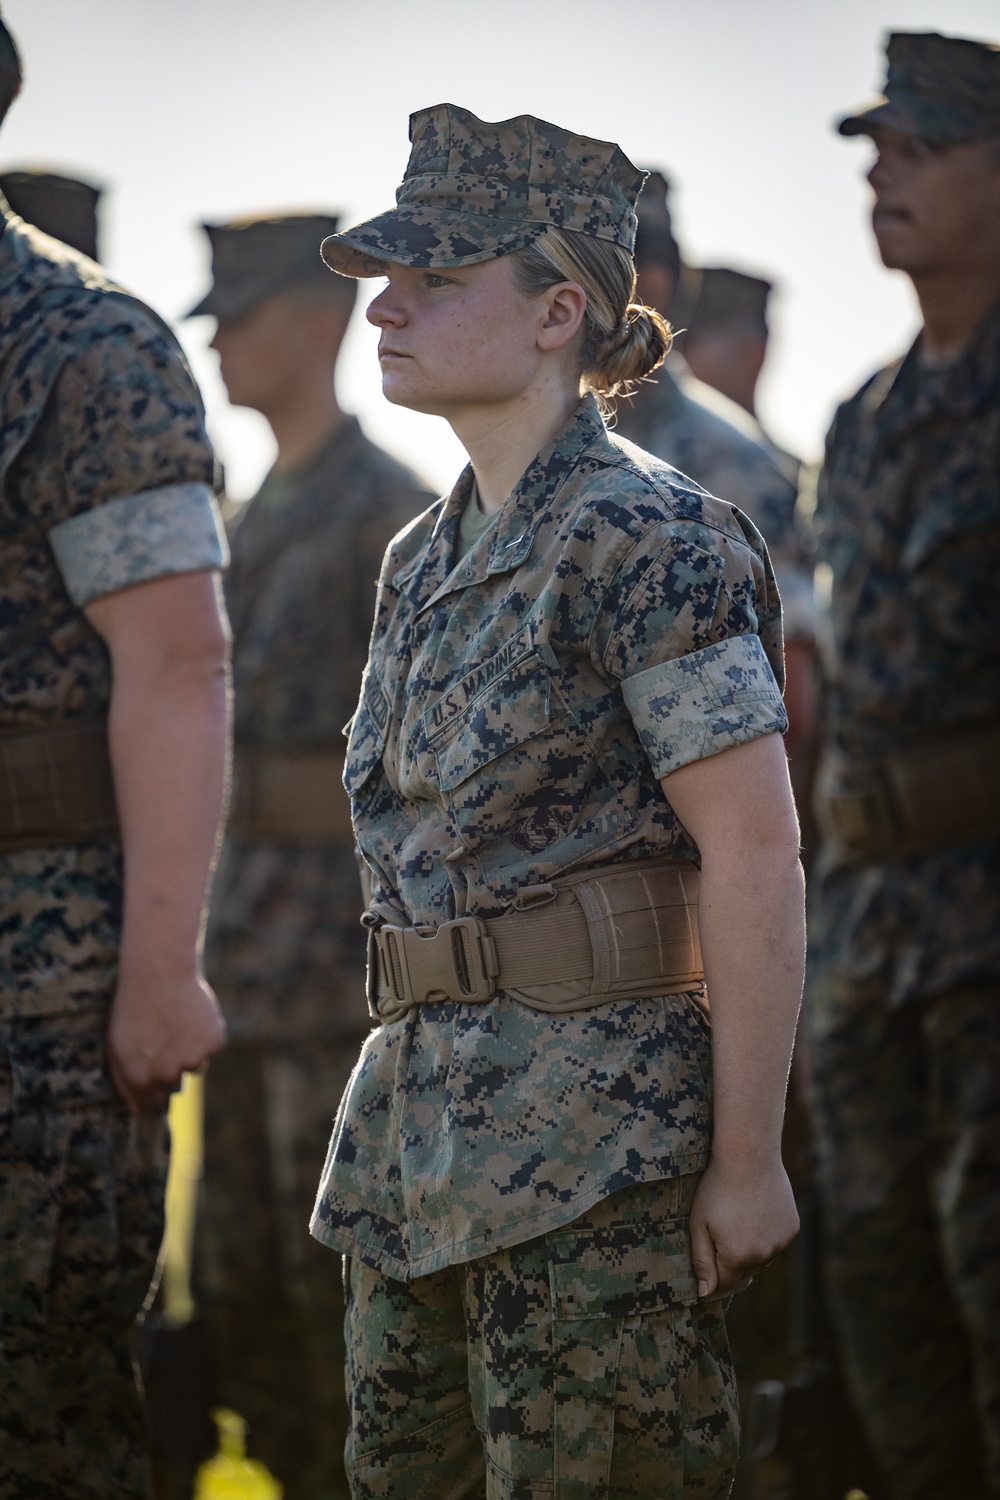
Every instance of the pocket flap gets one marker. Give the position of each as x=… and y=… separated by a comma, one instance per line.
x=516, y=708
x=621, y=1270
x=367, y=735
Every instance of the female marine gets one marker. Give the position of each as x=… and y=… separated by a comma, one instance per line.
x=568, y=784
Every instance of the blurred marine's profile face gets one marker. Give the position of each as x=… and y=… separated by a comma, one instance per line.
x=936, y=207
x=261, y=353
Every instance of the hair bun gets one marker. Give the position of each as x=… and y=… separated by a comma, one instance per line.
x=634, y=349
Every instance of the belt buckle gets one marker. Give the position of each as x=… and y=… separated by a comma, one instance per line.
x=455, y=961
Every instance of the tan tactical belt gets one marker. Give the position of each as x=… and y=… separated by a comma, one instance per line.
x=930, y=797
x=625, y=932
x=56, y=785
x=290, y=796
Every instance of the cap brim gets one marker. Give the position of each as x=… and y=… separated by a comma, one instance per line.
x=232, y=300
x=426, y=237
x=882, y=114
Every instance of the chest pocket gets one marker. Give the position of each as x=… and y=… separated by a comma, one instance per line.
x=514, y=761
x=366, y=740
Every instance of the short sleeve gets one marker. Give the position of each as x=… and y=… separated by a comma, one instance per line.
x=694, y=706
x=118, y=471
x=693, y=636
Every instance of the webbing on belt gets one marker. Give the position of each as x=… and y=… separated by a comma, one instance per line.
x=624, y=932
x=56, y=785
x=931, y=796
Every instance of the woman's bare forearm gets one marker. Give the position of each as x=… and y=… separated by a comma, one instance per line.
x=752, y=926
x=737, y=806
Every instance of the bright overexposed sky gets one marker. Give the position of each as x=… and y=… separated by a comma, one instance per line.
x=187, y=110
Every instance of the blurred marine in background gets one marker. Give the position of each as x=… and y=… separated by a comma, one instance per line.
x=903, y=1002
x=112, y=749
x=284, y=945
x=725, y=346
x=699, y=431
x=61, y=206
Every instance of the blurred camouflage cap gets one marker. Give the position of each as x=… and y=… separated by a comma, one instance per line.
x=474, y=190
x=941, y=88
x=729, y=299
x=654, y=240
x=64, y=207
x=256, y=258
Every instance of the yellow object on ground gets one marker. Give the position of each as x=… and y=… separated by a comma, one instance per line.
x=182, y=1192
x=230, y=1475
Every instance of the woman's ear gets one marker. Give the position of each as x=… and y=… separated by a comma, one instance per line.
x=562, y=318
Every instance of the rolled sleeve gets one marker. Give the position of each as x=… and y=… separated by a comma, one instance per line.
x=137, y=538
x=694, y=706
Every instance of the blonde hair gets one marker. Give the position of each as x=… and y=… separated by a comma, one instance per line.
x=623, y=341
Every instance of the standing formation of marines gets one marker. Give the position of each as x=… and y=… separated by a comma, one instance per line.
x=512, y=1180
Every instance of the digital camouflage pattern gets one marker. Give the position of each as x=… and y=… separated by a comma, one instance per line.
x=285, y=952
x=681, y=421
x=903, y=1054
x=941, y=88
x=101, y=439
x=98, y=417
x=473, y=190
x=82, y=1184
x=284, y=949
x=594, y=1371
x=497, y=746
x=907, y=1145
x=908, y=528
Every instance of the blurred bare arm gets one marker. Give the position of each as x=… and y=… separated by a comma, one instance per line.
x=167, y=734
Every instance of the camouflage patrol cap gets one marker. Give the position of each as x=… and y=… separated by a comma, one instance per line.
x=729, y=299
x=64, y=207
x=256, y=258
x=940, y=88
x=474, y=190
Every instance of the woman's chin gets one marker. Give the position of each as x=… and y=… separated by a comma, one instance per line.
x=403, y=393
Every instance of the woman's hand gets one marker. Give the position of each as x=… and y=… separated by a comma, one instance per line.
x=742, y=1215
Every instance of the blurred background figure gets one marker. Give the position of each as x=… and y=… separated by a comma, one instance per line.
x=284, y=944
x=700, y=432
x=64, y=207
x=725, y=346
x=720, y=446
x=112, y=760
x=903, y=997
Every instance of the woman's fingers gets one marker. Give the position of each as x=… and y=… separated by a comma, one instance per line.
x=703, y=1255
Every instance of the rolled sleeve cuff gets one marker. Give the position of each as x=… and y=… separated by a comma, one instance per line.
x=694, y=706
x=136, y=538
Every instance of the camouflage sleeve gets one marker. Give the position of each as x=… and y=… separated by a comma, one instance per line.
x=693, y=707
x=135, y=538
x=118, y=472
x=680, y=632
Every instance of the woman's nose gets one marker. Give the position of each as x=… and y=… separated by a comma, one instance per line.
x=385, y=309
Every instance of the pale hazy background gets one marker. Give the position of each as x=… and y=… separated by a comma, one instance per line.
x=188, y=110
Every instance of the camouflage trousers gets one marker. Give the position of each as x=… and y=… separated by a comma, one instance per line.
x=271, y=1296
x=907, y=1133
x=577, y=1366
x=81, y=1219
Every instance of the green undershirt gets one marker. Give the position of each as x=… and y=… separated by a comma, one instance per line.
x=474, y=523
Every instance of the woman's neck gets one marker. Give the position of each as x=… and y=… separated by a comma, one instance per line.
x=502, y=439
